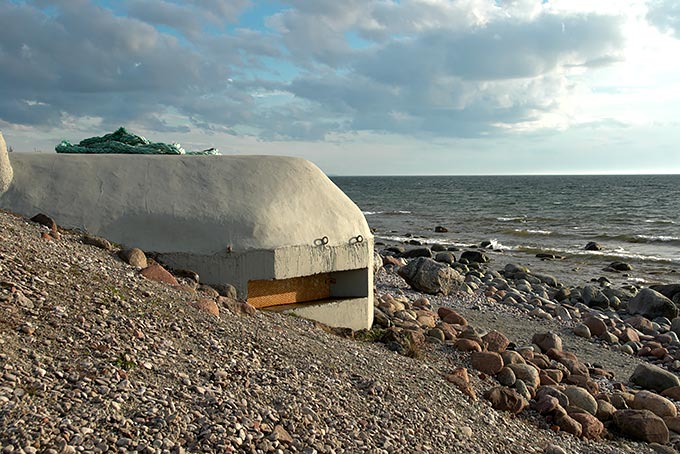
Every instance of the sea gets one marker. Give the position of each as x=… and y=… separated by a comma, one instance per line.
x=635, y=218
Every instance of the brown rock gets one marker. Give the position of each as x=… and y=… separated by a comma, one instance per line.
x=629, y=335
x=640, y=323
x=673, y=423
x=101, y=243
x=133, y=256
x=496, y=341
x=461, y=380
x=506, y=399
x=506, y=377
x=672, y=393
x=235, y=306
x=559, y=354
x=450, y=332
x=547, y=341
x=546, y=404
x=595, y=325
x=659, y=352
x=450, y=316
x=394, y=261
x=554, y=374
x=546, y=380
x=467, y=345
x=155, y=272
x=45, y=220
x=605, y=410
x=207, y=305
x=512, y=357
x=659, y=405
x=208, y=291
x=568, y=424
x=575, y=366
x=539, y=361
x=591, y=427
x=226, y=290
x=280, y=434
x=488, y=362
x=426, y=321
x=642, y=425
x=527, y=373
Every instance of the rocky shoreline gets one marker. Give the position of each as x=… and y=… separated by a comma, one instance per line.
x=635, y=322
x=101, y=355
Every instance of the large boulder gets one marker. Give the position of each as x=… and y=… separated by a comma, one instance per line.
x=642, y=425
x=649, y=376
x=670, y=291
x=474, y=257
x=652, y=304
x=417, y=252
x=429, y=276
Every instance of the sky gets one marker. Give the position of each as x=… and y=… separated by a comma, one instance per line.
x=359, y=87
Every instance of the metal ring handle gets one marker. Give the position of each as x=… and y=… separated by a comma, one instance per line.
x=321, y=241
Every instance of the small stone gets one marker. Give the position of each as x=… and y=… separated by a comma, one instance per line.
x=660, y=406
x=280, y=434
x=450, y=316
x=554, y=449
x=45, y=220
x=506, y=399
x=605, y=410
x=595, y=325
x=207, y=305
x=496, y=341
x=488, y=362
x=672, y=393
x=546, y=404
x=591, y=427
x=528, y=374
x=155, y=272
x=101, y=243
x=547, y=341
x=581, y=398
x=506, y=377
x=582, y=330
x=236, y=307
x=226, y=290
x=467, y=345
x=133, y=256
x=568, y=424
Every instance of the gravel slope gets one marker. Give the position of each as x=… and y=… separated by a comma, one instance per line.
x=95, y=358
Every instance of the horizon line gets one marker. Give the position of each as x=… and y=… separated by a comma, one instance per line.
x=510, y=175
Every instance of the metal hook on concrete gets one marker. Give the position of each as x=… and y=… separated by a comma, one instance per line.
x=356, y=239
x=321, y=241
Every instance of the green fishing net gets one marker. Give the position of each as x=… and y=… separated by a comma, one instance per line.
x=122, y=142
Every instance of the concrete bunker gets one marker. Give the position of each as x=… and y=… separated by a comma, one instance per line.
x=274, y=227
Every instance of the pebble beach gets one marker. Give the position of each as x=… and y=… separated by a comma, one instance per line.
x=98, y=355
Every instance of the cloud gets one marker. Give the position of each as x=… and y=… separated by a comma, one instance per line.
x=465, y=83
x=665, y=15
x=414, y=67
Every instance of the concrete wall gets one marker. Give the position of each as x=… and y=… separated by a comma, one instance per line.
x=229, y=218
x=193, y=204
x=6, y=172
